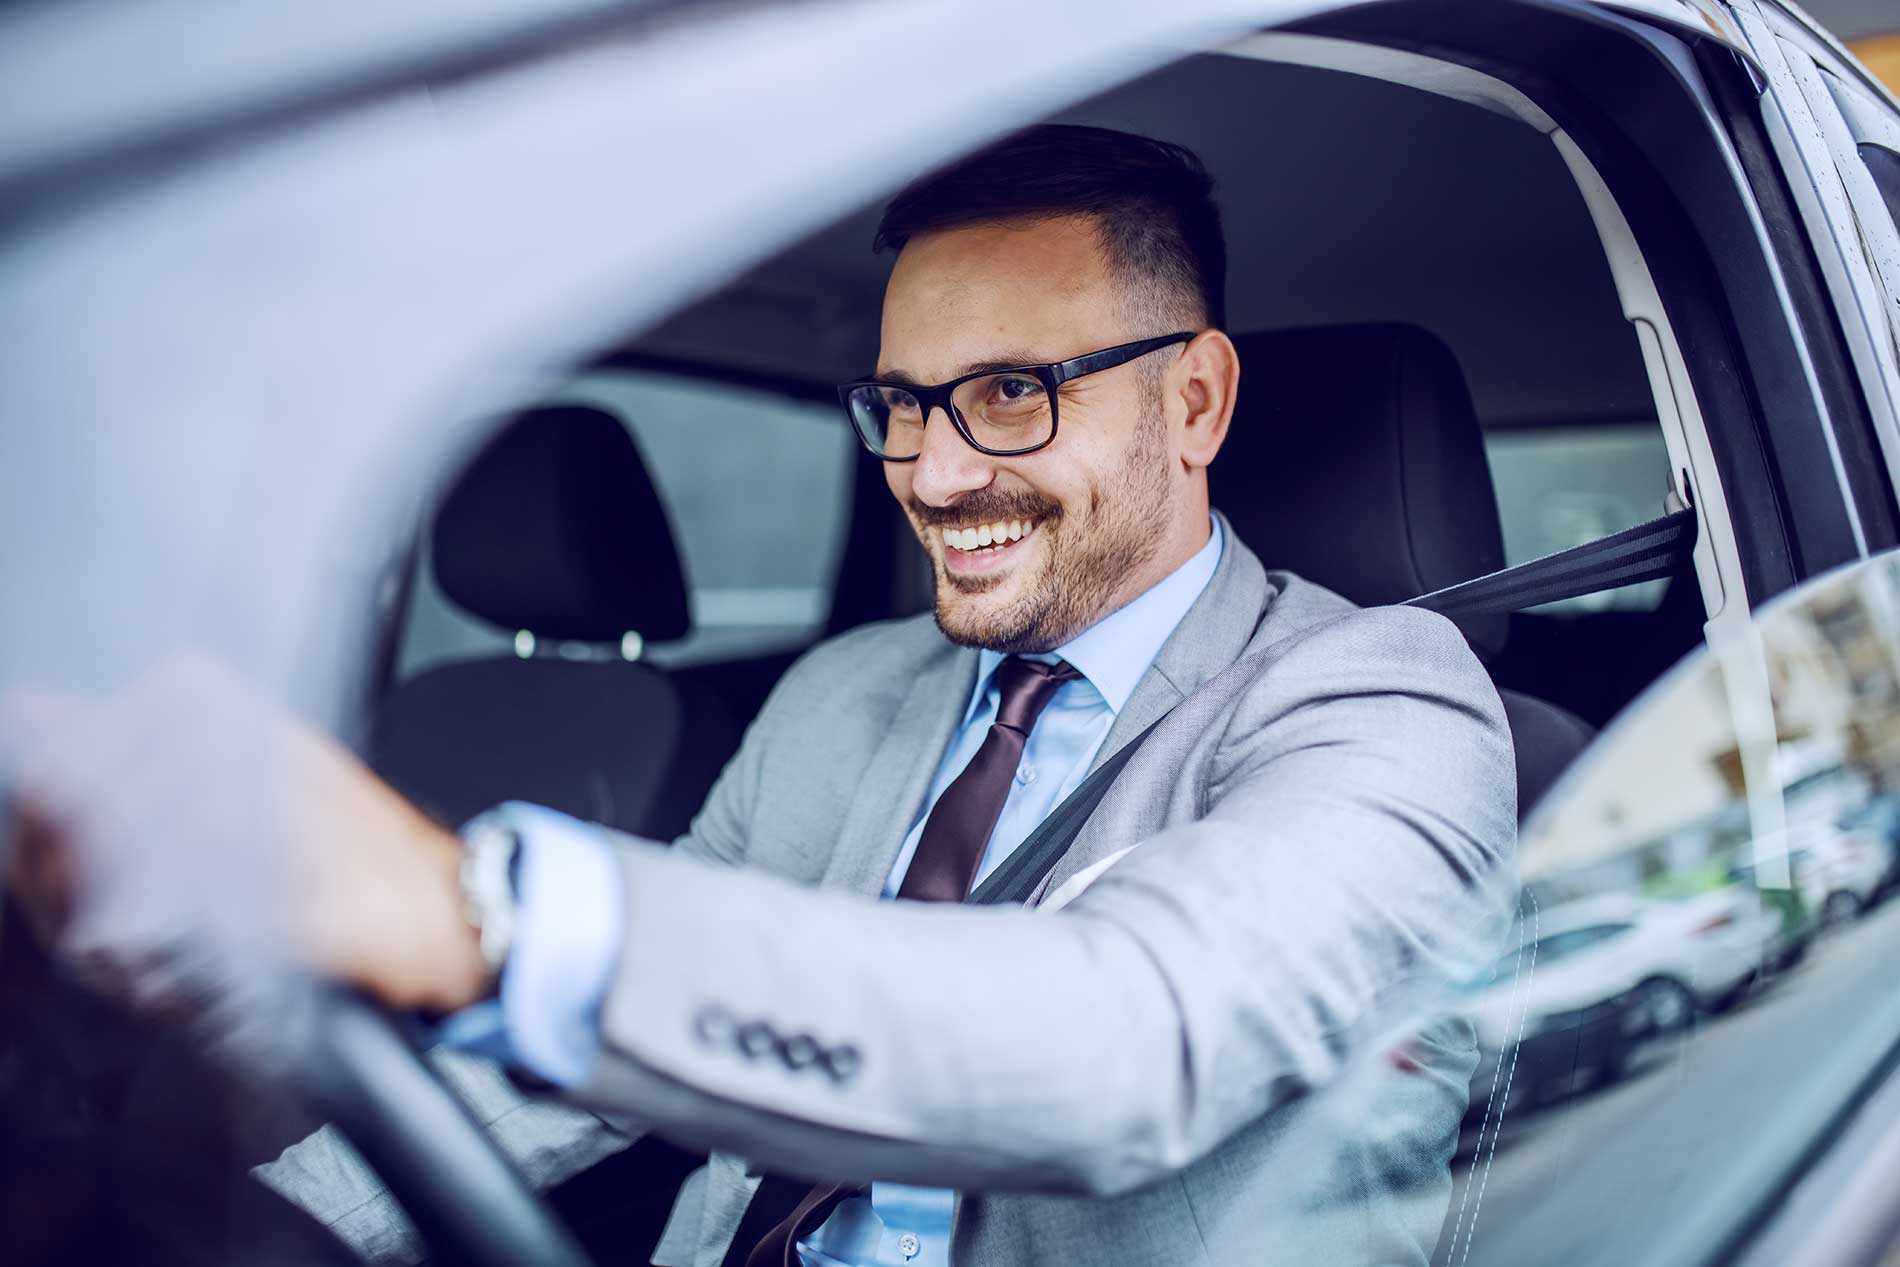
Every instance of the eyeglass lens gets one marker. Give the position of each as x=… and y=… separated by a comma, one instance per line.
x=1005, y=412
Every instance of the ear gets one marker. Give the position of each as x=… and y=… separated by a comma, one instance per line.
x=1207, y=377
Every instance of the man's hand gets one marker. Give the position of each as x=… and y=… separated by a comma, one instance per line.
x=187, y=820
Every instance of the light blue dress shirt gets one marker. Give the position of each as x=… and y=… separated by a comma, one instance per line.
x=568, y=930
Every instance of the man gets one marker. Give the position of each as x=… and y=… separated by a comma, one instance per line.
x=1120, y=1076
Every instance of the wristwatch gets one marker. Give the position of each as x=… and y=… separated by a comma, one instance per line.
x=491, y=854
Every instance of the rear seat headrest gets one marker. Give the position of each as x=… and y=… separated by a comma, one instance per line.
x=1355, y=460
x=555, y=527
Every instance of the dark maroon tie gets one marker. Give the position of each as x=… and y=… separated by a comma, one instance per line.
x=958, y=829
x=948, y=854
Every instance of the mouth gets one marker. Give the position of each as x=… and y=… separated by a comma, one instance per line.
x=984, y=547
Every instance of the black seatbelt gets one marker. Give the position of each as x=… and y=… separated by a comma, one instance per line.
x=1647, y=552
x=1017, y=876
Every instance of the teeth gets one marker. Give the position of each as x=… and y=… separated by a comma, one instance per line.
x=987, y=534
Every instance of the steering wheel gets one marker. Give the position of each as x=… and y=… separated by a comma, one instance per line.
x=468, y=1201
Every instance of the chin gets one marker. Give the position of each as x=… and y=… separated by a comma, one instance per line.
x=991, y=622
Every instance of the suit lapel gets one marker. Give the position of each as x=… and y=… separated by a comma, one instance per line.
x=898, y=776
x=1215, y=632
x=1211, y=636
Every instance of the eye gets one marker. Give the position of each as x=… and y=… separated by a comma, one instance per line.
x=900, y=403
x=1013, y=389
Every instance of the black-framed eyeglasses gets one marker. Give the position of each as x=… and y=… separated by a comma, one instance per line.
x=1002, y=412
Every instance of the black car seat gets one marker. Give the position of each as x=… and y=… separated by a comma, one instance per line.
x=555, y=528
x=1356, y=461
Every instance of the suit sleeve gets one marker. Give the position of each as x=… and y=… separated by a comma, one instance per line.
x=1356, y=820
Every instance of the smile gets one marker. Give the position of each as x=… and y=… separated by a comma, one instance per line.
x=985, y=547
x=987, y=538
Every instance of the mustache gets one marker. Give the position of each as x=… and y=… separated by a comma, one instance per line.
x=983, y=508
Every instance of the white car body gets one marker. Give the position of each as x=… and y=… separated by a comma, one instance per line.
x=1831, y=860
x=1711, y=944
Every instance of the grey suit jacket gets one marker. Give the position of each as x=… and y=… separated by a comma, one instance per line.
x=1125, y=1080
x=1186, y=1063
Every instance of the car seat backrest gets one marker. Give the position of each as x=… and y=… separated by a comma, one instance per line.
x=1355, y=460
x=556, y=528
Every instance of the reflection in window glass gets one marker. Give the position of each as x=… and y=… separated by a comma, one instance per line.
x=1643, y=1097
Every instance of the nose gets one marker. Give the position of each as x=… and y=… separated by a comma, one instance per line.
x=947, y=466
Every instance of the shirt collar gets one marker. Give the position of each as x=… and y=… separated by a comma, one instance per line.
x=1116, y=650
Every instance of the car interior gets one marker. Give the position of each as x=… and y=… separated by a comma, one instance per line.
x=1438, y=382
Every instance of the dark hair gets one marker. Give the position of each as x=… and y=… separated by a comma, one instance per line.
x=1151, y=200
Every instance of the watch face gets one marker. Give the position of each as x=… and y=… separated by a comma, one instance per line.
x=490, y=849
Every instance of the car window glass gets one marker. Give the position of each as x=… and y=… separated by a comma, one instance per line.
x=757, y=489
x=1560, y=486
x=1641, y=1105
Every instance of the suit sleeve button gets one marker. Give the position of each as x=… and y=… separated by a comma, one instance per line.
x=842, y=1062
x=800, y=1051
x=713, y=1025
x=756, y=1039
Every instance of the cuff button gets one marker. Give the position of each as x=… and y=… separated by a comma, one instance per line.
x=713, y=1026
x=842, y=1062
x=800, y=1051
x=756, y=1039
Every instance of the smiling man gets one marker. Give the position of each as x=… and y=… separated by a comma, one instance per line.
x=1034, y=545
x=1124, y=1075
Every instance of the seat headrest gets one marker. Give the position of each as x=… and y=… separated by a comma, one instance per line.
x=1355, y=460
x=555, y=527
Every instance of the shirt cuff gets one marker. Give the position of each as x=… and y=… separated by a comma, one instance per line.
x=568, y=924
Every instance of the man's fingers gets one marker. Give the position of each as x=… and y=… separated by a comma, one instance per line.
x=40, y=875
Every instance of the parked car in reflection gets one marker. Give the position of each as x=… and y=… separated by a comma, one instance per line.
x=1596, y=976
x=1840, y=872
x=1837, y=872
x=1880, y=818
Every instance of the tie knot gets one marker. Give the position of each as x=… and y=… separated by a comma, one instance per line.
x=1025, y=686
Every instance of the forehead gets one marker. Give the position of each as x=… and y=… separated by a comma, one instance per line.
x=973, y=295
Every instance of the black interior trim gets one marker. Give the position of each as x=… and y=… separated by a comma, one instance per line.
x=1629, y=109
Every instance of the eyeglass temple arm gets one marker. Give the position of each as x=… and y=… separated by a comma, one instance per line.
x=1109, y=358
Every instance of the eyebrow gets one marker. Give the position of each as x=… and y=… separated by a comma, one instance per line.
x=1008, y=361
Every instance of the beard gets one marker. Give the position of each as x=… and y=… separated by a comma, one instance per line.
x=1085, y=559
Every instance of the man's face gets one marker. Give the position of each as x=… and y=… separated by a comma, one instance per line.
x=1097, y=507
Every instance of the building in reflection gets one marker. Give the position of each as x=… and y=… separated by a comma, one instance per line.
x=1673, y=809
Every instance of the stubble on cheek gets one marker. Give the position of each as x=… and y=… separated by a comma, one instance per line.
x=1081, y=562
